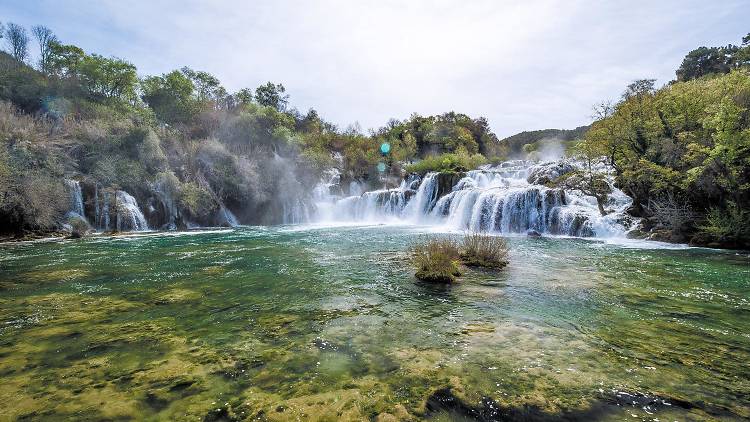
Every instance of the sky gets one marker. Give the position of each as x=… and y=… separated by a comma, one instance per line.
x=524, y=65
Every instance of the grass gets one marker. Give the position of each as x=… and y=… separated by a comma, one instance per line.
x=438, y=259
x=483, y=250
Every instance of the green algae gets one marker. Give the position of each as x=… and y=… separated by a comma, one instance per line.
x=316, y=325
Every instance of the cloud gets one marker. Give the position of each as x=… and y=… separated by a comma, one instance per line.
x=530, y=65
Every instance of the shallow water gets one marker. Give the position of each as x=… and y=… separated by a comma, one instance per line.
x=291, y=323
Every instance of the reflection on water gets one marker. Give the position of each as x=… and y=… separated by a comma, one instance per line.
x=329, y=323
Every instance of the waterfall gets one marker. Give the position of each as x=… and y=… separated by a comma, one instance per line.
x=425, y=197
x=129, y=216
x=76, y=198
x=513, y=197
x=228, y=216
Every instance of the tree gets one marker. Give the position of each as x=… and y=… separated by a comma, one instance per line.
x=271, y=95
x=18, y=41
x=708, y=60
x=208, y=89
x=588, y=179
x=170, y=96
x=64, y=60
x=244, y=96
x=45, y=38
x=110, y=78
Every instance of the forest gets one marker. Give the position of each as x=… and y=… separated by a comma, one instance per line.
x=184, y=145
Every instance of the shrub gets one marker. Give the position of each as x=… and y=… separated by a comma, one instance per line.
x=436, y=260
x=447, y=163
x=727, y=227
x=484, y=250
x=196, y=201
x=80, y=227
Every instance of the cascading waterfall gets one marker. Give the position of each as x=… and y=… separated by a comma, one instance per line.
x=512, y=197
x=76, y=198
x=425, y=197
x=129, y=216
x=373, y=206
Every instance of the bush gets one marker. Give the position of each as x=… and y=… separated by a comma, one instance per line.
x=484, y=250
x=437, y=260
x=447, y=163
x=727, y=227
x=80, y=227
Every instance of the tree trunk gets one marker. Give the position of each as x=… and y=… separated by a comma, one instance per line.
x=601, y=206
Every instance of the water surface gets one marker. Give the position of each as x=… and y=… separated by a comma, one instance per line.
x=290, y=323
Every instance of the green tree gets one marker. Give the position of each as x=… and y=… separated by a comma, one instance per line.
x=170, y=96
x=64, y=60
x=110, y=78
x=272, y=95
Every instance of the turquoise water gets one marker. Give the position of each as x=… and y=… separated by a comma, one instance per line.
x=290, y=323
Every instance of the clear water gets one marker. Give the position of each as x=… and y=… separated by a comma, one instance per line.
x=291, y=323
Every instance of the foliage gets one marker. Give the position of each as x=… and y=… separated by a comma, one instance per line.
x=272, y=95
x=484, y=250
x=709, y=60
x=727, y=226
x=436, y=259
x=690, y=140
x=458, y=162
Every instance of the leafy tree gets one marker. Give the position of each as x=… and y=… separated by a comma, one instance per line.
x=64, y=60
x=110, y=78
x=271, y=95
x=207, y=87
x=170, y=96
x=708, y=60
x=18, y=41
x=45, y=38
x=244, y=96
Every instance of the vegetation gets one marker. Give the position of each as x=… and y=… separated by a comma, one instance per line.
x=684, y=149
x=437, y=259
x=484, y=250
x=447, y=162
x=181, y=142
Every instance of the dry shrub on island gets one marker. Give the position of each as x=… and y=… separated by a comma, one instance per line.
x=438, y=259
x=484, y=250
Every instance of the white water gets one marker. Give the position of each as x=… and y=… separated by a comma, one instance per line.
x=76, y=198
x=129, y=215
x=228, y=216
x=509, y=198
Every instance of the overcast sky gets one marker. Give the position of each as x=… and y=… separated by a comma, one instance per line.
x=522, y=64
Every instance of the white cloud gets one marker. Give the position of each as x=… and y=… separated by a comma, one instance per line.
x=524, y=65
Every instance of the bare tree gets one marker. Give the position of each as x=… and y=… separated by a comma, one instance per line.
x=671, y=213
x=18, y=41
x=45, y=38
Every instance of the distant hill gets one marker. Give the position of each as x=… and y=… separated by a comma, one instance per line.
x=517, y=141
